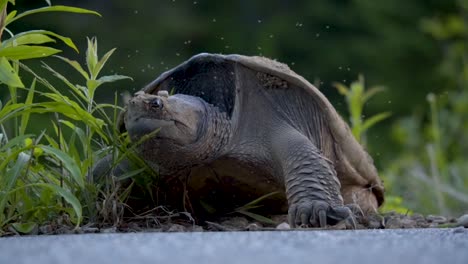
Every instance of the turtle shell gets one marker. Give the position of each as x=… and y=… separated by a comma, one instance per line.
x=215, y=79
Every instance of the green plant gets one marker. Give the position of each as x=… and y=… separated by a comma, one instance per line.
x=431, y=170
x=356, y=97
x=44, y=176
x=257, y=203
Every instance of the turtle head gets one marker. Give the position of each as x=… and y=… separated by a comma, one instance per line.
x=187, y=130
x=177, y=119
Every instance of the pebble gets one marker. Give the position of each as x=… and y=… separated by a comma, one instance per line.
x=463, y=221
x=85, y=229
x=375, y=225
x=400, y=223
x=376, y=221
x=283, y=226
x=340, y=226
x=197, y=228
x=436, y=219
x=459, y=230
x=46, y=229
x=237, y=222
x=109, y=230
x=176, y=228
x=253, y=227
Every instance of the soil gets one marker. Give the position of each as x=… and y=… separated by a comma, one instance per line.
x=182, y=222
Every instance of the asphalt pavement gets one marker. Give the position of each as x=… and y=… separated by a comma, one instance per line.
x=285, y=247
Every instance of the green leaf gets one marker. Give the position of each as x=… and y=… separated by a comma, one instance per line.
x=27, y=52
x=11, y=176
x=52, y=141
x=16, y=141
x=371, y=121
x=57, y=8
x=71, y=109
x=131, y=174
x=102, y=62
x=94, y=84
x=79, y=91
x=11, y=15
x=24, y=228
x=357, y=88
x=25, y=115
x=66, y=40
x=371, y=92
x=342, y=89
x=25, y=39
x=3, y=4
x=113, y=78
x=258, y=217
x=78, y=131
x=12, y=110
x=75, y=65
x=8, y=75
x=68, y=196
x=68, y=163
x=92, y=57
x=255, y=203
x=112, y=106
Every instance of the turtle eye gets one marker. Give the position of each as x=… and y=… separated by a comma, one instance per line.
x=156, y=103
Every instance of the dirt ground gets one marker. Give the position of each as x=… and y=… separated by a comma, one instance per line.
x=182, y=222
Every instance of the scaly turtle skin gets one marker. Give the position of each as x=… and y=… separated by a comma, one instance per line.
x=240, y=127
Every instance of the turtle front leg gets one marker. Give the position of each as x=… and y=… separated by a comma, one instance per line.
x=312, y=186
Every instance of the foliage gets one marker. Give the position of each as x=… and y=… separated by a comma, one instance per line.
x=356, y=97
x=435, y=141
x=44, y=176
x=257, y=203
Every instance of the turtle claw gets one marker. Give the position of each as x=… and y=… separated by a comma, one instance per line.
x=322, y=218
x=350, y=223
x=356, y=210
x=319, y=214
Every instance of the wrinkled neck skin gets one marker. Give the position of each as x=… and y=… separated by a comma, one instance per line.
x=167, y=156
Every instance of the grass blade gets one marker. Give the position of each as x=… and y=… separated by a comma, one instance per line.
x=258, y=217
x=25, y=114
x=15, y=142
x=68, y=196
x=255, y=202
x=68, y=163
x=18, y=37
x=57, y=8
x=24, y=52
x=75, y=65
x=10, y=177
x=102, y=62
x=26, y=39
x=371, y=121
x=8, y=75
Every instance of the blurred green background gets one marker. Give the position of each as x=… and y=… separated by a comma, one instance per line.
x=417, y=50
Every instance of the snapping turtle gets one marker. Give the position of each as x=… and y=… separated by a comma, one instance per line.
x=241, y=127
